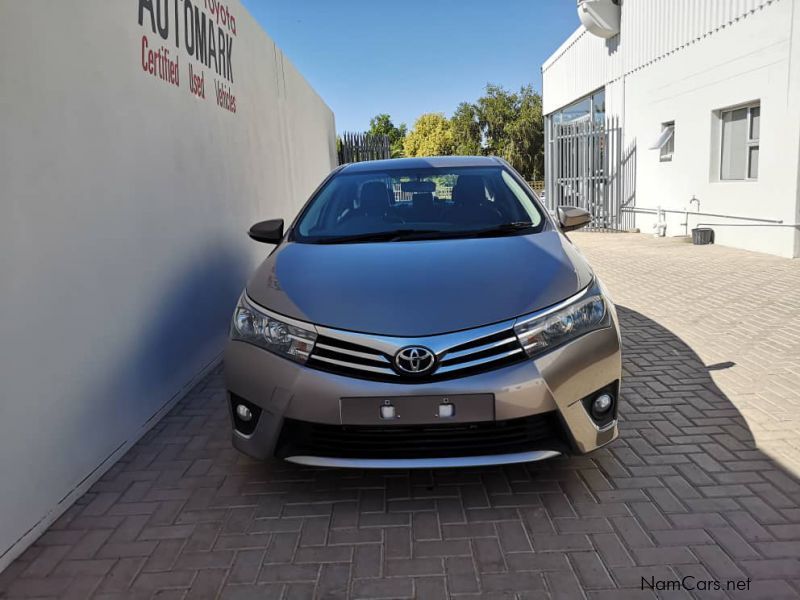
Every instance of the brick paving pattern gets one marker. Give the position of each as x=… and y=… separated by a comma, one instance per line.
x=703, y=481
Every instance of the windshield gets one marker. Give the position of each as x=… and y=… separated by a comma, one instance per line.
x=400, y=205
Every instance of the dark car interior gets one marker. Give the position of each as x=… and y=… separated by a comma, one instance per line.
x=448, y=202
x=468, y=203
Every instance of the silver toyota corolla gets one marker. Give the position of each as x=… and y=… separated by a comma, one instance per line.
x=423, y=313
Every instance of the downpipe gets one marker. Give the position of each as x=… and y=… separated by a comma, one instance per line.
x=686, y=213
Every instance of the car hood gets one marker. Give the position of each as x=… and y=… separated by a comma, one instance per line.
x=419, y=288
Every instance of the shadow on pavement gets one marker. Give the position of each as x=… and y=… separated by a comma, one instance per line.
x=683, y=497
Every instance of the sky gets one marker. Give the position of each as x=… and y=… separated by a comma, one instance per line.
x=366, y=57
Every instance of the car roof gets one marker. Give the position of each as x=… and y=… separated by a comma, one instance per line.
x=433, y=162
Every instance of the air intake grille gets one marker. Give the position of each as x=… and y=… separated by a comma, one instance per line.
x=537, y=432
x=469, y=357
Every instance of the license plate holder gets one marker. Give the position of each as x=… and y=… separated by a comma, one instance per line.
x=417, y=410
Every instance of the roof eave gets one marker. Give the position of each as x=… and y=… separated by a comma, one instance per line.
x=563, y=47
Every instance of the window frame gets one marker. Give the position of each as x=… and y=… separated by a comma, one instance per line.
x=544, y=223
x=557, y=116
x=670, y=141
x=749, y=142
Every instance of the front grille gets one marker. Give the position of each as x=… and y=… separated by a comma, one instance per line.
x=485, y=352
x=537, y=432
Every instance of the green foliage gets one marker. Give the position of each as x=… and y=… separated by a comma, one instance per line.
x=466, y=130
x=495, y=111
x=500, y=123
x=513, y=127
x=432, y=135
x=382, y=125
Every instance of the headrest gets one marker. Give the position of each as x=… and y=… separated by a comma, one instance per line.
x=423, y=200
x=375, y=198
x=469, y=189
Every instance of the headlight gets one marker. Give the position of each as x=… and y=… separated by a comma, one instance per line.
x=538, y=334
x=253, y=326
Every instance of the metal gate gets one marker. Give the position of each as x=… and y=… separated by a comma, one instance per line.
x=587, y=166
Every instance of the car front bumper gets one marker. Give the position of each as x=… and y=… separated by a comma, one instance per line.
x=552, y=386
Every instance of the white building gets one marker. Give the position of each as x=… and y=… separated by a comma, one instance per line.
x=697, y=103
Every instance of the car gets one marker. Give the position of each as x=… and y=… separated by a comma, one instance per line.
x=423, y=313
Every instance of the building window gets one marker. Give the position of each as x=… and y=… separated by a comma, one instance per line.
x=592, y=106
x=665, y=142
x=599, y=106
x=739, y=143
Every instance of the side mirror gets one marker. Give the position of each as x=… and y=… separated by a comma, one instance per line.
x=269, y=232
x=572, y=217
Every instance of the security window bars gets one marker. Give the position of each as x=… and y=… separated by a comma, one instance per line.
x=739, y=145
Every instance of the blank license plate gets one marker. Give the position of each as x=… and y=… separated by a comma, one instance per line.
x=409, y=410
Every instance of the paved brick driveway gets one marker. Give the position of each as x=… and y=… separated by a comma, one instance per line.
x=703, y=482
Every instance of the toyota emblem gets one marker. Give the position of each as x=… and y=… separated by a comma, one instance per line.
x=415, y=360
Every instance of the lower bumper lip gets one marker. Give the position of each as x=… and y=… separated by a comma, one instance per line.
x=423, y=463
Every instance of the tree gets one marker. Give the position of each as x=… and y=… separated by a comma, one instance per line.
x=382, y=125
x=466, y=130
x=432, y=135
x=496, y=109
x=525, y=136
x=501, y=123
x=513, y=127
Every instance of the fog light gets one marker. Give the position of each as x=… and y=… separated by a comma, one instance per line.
x=244, y=413
x=602, y=404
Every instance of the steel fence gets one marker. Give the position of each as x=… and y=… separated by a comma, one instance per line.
x=358, y=147
x=588, y=166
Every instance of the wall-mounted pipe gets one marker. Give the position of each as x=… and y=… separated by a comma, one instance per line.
x=748, y=225
x=654, y=211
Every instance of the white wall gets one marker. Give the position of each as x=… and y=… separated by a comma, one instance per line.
x=651, y=30
x=745, y=62
x=583, y=64
x=125, y=201
x=681, y=61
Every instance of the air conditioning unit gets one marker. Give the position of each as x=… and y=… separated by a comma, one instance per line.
x=600, y=17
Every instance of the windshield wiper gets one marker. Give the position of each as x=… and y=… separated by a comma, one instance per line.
x=403, y=235
x=513, y=227
x=374, y=236
x=505, y=228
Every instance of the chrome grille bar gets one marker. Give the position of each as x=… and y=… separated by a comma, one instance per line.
x=372, y=357
x=349, y=365
x=470, y=351
x=478, y=362
x=378, y=357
